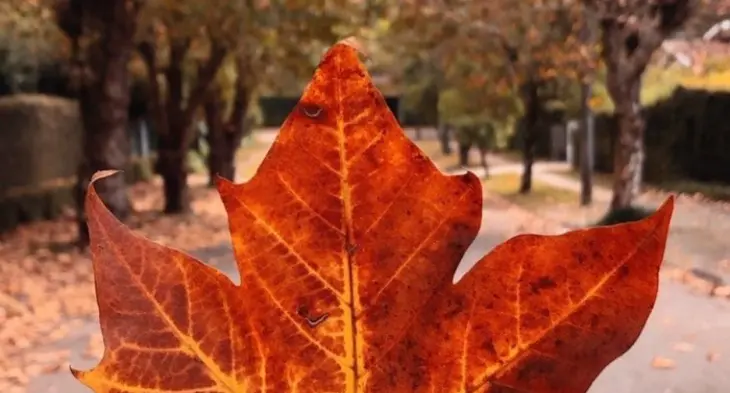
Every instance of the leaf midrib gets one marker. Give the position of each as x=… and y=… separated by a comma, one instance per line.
x=345, y=196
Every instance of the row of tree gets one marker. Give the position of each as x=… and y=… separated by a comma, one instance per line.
x=200, y=59
x=486, y=62
x=547, y=53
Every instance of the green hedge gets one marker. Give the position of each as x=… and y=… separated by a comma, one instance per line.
x=545, y=122
x=687, y=137
x=275, y=110
x=40, y=151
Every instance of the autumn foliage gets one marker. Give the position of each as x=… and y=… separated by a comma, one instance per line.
x=347, y=240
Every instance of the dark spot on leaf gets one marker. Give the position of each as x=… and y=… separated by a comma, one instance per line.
x=623, y=272
x=488, y=345
x=579, y=257
x=596, y=255
x=542, y=283
x=535, y=367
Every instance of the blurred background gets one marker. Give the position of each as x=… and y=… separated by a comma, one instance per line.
x=574, y=113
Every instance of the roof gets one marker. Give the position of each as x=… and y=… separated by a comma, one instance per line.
x=693, y=53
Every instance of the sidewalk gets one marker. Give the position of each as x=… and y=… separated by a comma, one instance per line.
x=48, y=312
x=82, y=346
x=699, y=236
x=705, y=333
x=687, y=331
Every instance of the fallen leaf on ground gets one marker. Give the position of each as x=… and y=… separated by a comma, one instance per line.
x=712, y=357
x=675, y=274
x=701, y=282
x=724, y=264
x=46, y=285
x=721, y=291
x=347, y=240
x=684, y=347
x=663, y=363
x=689, y=337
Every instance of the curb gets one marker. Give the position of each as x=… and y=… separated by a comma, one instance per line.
x=702, y=282
x=699, y=281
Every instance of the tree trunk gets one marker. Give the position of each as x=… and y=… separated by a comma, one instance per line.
x=532, y=114
x=483, y=160
x=586, y=147
x=227, y=167
x=464, y=154
x=419, y=134
x=628, y=159
x=105, y=146
x=171, y=166
x=221, y=155
x=175, y=185
x=175, y=115
x=528, y=159
x=586, y=124
x=445, y=139
x=104, y=96
x=225, y=136
x=215, y=140
x=627, y=49
x=177, y=139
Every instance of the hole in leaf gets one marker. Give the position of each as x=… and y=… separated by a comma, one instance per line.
x=312, y=111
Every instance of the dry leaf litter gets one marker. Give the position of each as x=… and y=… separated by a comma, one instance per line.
x=46, y=284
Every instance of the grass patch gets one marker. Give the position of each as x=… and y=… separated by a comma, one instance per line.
x=628, y=214
x=432, y=149
x=249, y=156
x=659, y=83
x=510, y=155
x=507, y=185
x=604, y=180
x=714, y=191
x=248, y=145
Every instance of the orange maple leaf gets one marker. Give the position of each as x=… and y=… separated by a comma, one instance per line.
x=347, y=240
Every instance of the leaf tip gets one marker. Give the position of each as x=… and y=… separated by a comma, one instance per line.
x=470, y=178
x=78, y=374
x=92, y=199
x=353, y=42
x=666, y=210
x=471, y=181
x=669, y=203
x=223, y=185
x=98, y=175
x=87, y=378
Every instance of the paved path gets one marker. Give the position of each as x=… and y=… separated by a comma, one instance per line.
x=698, y=236
x=679, y=317
x=699, y=233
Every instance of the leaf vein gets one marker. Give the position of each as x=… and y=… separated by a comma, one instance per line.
x=301, y=200
x=391, y=203
x=519, y=352
x=370, y=144
x=217, y=374
x=418, y=249
x=320, y=162
x=298, y=326
x=262, y=222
